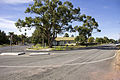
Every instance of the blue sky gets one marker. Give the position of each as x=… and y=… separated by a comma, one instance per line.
x=106, y=13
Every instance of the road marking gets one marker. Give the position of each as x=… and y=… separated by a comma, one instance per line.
x=47, y=66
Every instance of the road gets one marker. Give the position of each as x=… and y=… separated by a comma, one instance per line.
x=84, y=64
x=15, y=48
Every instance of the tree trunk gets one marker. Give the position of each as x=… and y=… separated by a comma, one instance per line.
x=49, y=43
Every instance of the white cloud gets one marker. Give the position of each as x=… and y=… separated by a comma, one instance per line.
x=9, y=26
x=15, y=1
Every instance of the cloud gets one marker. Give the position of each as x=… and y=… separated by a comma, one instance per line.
x=15, y=1
x=9, y=26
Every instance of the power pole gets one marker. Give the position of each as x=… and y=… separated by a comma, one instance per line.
x=119, y=38
x=11, y=36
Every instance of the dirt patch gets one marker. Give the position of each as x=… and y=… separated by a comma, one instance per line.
x=117, y=62
x=113, y=74
x=105, y=75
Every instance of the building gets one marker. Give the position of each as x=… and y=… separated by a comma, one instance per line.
x=61, y=41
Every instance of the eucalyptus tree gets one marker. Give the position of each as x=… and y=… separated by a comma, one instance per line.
x=38, y=36
x=88, y=25
x=66, y=35
x=99, y=40
x=3, y=38
x=106, y=40
x=51, y=16
x=81, y=39
x=90, y=39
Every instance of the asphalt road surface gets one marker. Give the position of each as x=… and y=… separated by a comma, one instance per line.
x=15, y=48
x=84, y=64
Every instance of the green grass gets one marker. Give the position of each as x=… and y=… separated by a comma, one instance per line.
x=60, y=48
x=66, y=47
x=38, y=47
x=4, y=45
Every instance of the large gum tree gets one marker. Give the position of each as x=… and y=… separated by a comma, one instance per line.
x=51, y=16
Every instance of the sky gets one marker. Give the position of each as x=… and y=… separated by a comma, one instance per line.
x=106, y=13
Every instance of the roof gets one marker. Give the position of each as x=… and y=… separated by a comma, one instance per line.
x=64, y=38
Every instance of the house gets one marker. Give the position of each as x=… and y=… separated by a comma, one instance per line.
x=61, y=41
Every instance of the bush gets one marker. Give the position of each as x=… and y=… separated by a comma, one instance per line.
x=59, y=48
x=38, y=45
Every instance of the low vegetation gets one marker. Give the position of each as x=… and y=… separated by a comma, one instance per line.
x=66, y=47
x=60, y=48
x=3, y=45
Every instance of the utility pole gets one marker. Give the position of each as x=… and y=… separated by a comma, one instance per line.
x=119, y=38
x=11, y=36
x=43, y=40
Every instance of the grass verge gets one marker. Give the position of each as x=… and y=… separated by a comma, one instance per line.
x=4, y=45
x=66, y=47
x=59, y=48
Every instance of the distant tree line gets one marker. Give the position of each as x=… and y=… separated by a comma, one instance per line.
x=4, y=39
x=16, y=39
x=104, y=40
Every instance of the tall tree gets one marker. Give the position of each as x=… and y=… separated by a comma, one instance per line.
x=99, y=40
x=14, y=38
x=90, y=39
x=89, y=24
x=66, y=35
x=38, y=36
x=106, y=40
x=112, y=41
x=81, y=39
x=52, y=17
x=3, y=38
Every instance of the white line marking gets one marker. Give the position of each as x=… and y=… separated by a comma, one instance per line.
x=46, y=66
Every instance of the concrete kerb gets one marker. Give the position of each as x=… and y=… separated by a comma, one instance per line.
x=13, y=53
x=41, y=53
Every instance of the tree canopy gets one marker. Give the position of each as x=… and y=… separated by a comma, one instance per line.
x=3, y=38
x=52, y=17
x=66, y=35
x=91, y=40
x=86, y=29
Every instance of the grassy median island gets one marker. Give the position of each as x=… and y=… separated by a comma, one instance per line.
x=59, y=48
x=66, y=47
x=4, y=45
x=38, y=47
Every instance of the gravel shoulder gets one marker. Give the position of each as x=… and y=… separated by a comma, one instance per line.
x=117, y=62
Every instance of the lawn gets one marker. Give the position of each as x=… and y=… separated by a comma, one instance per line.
x=3, y=45
x=39, y=47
